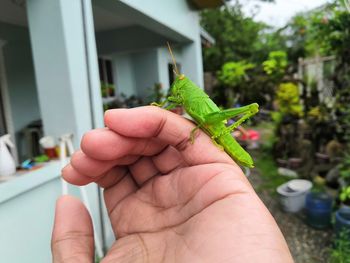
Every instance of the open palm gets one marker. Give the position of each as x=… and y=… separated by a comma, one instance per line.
x=168, y=200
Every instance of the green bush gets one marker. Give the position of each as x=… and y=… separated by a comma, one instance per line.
x=288, y=100
x=232, y=77
x=276, y=64
x=233, y=73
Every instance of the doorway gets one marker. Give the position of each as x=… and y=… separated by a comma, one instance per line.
x=3, y=129
x=6, y=122
x=171, y=72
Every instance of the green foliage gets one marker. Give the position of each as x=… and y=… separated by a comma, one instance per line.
x=344, y=168
x=319, y=114
x=233, y=73
x=332, y=27
x=345, y=194
x=341, y=249
x=264, y=161
x=236, y=36
x=288, y=100
x=276, y=116
x=239, y=38
x=107, y=89
x=268, y=172
x=157, y=94
x=276, y=64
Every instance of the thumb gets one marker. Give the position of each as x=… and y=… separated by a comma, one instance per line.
x=72, y=236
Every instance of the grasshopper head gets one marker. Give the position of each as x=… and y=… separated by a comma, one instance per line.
x=177, y=88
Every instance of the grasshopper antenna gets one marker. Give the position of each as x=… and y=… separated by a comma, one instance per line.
x=173, y=58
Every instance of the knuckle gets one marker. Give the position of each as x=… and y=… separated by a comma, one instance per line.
x=183, y=144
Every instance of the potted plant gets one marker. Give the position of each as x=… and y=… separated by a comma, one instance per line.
x=345, y=196
x=110, y=90
x=344, y=168
x=282, y=162
x=342, y=221
x=322, y=158
x=294, y=163
x=318, y=209
x=104, y=90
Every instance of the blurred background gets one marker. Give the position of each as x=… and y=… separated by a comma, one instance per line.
x=63, y=63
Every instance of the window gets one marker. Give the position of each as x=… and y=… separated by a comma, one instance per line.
x=106, y=71
x=107, y=83
x=171, y=70
x=2, y=117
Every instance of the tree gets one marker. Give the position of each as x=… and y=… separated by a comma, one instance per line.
x=232, y=75
x=235, y=34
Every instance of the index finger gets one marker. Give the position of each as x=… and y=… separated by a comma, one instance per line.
x=170, y=128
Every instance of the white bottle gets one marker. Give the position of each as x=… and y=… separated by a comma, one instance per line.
x=7, y=163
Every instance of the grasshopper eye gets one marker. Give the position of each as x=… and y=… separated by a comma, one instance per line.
x=182, y=76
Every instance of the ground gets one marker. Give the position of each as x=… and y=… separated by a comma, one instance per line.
x=306, y=244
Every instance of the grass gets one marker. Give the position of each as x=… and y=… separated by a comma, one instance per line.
x=268, y=172
x=264, y=161
x=340, y=253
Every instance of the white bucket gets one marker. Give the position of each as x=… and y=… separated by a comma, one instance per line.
x=293, y=194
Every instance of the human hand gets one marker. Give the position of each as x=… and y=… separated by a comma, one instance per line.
x=168, y=200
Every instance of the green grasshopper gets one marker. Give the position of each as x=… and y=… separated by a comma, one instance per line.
x=209, y=117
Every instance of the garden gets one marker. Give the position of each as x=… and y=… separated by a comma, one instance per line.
x=299, y=74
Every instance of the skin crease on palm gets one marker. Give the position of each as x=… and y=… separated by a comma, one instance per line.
x=168, y=200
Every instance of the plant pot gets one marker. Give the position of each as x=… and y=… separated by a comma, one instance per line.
x=332, y=192
x=282, y=163
x=110, y=91
x=342, y=221
x=322, y=158
x=318, y=210
x=294, y=163
x=51, y=152
x=292, y=195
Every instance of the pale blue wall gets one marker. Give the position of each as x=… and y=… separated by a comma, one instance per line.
x=60, y=66
x=27, y=206
x=20, y=77
x=128, y=39
x=177, y=16
x=164, y=59
x=174, y=14
x=156, y=22
x=146, y=72
x=136, y=72
x=124, y=74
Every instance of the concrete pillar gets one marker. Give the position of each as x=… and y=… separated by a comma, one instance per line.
x=65, y=62
x=192, y=62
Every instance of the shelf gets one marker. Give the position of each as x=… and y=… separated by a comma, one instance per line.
x=108, y=100
x=25, y=182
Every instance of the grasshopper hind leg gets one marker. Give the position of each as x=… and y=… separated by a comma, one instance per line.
x=216, y=144
x=193, y=134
